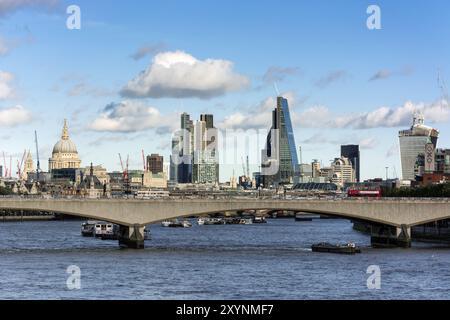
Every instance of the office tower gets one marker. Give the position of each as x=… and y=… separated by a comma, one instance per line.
x=206, y=164
x=413, y=145
x=182, y=146
x=280, y=152
x=342, y=171
x=315, y=168
x=208, y=119
x=155, y=163
x=352, y=152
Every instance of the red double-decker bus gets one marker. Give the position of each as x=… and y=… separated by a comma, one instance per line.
x=364, y=192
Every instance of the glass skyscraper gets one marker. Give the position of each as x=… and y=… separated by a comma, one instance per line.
x=280, y=150
x=352, y=153
x=206, y=164
x=413, y=143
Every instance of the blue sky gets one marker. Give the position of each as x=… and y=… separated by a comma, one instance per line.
x=345, y=83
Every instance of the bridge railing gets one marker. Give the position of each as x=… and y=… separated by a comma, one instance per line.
x=225, y=197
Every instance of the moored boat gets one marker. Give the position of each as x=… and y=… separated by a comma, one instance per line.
x=176, y=224
x=246, y=221
x=88, y=228
x=349, y=248
x=210, y=221
x=259, y=220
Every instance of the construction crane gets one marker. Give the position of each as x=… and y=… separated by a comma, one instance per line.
x=20, y=165
x=38, y=164
x=126, y=180
x=143, y=160
x=243, y=166
x=443, y=88
x=248, y=168
x=4, y=162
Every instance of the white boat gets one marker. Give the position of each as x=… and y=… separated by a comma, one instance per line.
x=259, y=220
x=166, y=223
x=88, y=228
x=103, y=228
x=210, y=221
x=186, y=224
x=246, y=221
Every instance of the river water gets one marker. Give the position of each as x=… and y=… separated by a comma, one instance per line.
x=264, y=261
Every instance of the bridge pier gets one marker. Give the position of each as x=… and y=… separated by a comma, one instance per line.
x=390, y=237
x=131, y=237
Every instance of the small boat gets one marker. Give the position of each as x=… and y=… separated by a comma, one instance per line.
x=186, y=224
x=210, y=221
x=349, y=248
x=88, y=228
x=166, y=223
x=259, y=220
x=105, y=229
x=306, y=217
x=176, y=224
x=232, y=221
x=147, y=235
x=246, y=221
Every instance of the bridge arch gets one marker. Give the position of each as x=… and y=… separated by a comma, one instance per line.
x=341, y=215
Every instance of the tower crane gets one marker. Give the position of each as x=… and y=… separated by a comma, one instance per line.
x=126, y=180
x=38, y=164
x=248, y=168
x=20, y=165
x=4, y=162
x=443, y=88
x=143, y=160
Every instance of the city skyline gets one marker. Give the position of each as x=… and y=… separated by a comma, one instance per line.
x=349, y=93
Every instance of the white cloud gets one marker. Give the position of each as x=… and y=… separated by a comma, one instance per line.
x=278, y=74
x=368, y=143
x=332, y=77
x=383, y=117
x=386, y=73
x=148, y=49
x=256, y=117
x=14, y=116
x=6, y=91
x=10, y=6
x=132, y=116
x=179, y=75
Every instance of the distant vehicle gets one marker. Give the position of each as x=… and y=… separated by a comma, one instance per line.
x=151, y=194
x=355, y=192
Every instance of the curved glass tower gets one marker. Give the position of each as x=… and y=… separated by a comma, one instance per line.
x=280, y=148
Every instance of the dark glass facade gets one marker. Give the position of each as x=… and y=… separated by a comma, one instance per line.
x=352, y=153
x=155, y=163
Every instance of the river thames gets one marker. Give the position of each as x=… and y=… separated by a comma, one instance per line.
x=260, y=261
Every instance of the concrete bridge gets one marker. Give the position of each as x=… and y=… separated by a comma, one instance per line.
x=392, y=219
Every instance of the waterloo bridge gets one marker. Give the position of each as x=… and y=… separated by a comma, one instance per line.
x=393, y=218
